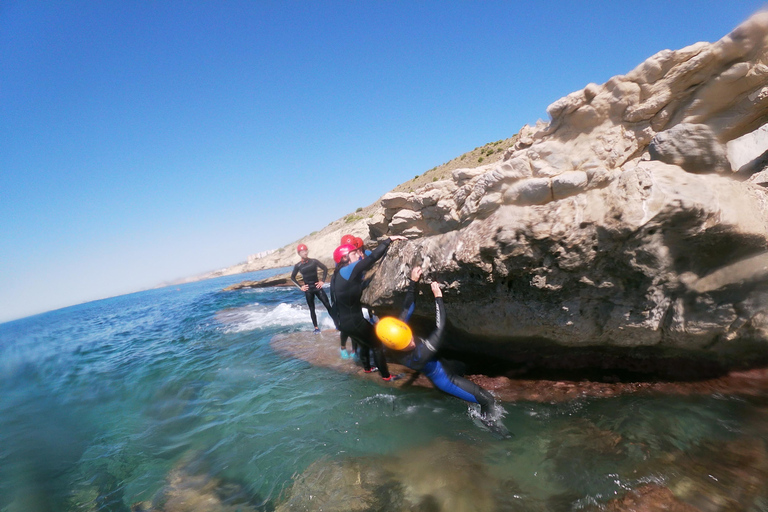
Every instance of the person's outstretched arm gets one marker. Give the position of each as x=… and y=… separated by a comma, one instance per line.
x=410, y=295
x=366, y=263
x=435, y=339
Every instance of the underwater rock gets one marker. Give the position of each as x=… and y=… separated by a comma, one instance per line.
x=444, y=476
x=728, y=475
x=190, y=488
x=648, y=498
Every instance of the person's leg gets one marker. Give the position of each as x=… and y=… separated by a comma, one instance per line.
x=343, y=349
x=375, y=345
x=459, y=387
x=324, y=299
x=311, y=303
x=365, y=359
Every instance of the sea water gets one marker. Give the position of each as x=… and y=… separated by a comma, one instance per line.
x=106, y=404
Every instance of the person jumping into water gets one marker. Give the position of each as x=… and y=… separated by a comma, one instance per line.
x=346, y=290
x=420, y=354
x=312, y=286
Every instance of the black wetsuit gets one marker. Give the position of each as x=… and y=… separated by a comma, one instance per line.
x=424, y=358
x=346, y=289
x=308, y=270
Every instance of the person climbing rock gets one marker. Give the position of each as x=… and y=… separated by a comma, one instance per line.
x=367, y=313
x=346, y=291
x=312, y=286
x=421, y=354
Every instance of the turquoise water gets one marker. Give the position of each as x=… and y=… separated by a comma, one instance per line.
x=112, y=403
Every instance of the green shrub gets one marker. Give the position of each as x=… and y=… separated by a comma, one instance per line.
x=359, y=209
x=480, y=160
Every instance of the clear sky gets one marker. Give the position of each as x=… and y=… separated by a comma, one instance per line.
x=146, y=141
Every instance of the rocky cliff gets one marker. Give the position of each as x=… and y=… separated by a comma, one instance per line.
x=621, y=226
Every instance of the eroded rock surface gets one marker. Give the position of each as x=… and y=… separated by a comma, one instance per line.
x=621, y=223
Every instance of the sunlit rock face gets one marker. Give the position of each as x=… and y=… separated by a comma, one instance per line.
x=621, y=223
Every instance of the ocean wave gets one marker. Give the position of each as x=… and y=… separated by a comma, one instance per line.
x=258, y=316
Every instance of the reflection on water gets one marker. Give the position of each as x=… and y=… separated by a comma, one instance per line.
x=174, y=400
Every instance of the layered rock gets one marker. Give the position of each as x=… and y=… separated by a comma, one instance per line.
x=619, y=223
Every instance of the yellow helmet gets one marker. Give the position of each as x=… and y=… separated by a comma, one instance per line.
x=394, y=333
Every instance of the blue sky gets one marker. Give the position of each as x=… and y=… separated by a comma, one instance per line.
x=146, y=141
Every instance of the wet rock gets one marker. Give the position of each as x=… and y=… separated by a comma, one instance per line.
x=722, y=476
x=444, y=476
x=190, y=488
x=531, y=380
x=648, y=498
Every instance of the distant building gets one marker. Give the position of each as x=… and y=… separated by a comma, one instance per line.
x=253, y=257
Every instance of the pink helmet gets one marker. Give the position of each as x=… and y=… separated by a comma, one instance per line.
x=348, y=240
x=358, y=242
x=342, y=251
x=301, y=247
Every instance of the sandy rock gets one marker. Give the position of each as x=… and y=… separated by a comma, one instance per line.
x=378, y=225
x=528, y=192
x=539, y=272
x=568, y=184
x=394, y=200
x=403, y=220
x=693, y=147
x=463, y=175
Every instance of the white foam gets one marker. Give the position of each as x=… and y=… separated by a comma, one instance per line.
x=257, y=316
x=378, y=398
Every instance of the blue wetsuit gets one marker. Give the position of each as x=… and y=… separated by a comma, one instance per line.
x=424, y=358
x=347, y=286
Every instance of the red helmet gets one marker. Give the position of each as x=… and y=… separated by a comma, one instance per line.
x=301, y=247
x=342, y=251
x=348, y=240
x=358, y=242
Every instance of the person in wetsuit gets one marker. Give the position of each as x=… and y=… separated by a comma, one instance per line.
x=420, y=354
x=363, y=253
x=312, y=286
x=346, y=291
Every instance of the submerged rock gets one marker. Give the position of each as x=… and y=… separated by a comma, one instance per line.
x=191, y=488
x=444, y=476
x=648, y=498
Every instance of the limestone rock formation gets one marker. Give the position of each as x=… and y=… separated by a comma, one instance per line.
x=613, y=225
